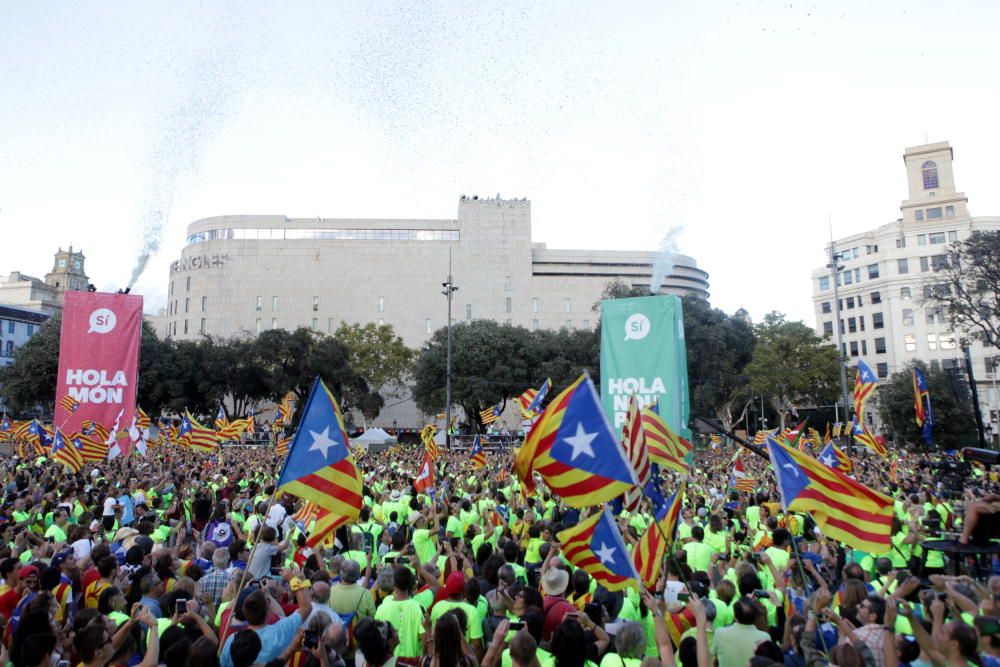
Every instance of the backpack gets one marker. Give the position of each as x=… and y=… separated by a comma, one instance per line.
x=369, y=537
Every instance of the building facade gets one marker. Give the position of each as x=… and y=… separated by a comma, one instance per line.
x=884, y=318
x=243, y=274
x=68, y=273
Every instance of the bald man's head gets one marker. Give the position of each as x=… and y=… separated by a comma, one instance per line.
x=321, y=592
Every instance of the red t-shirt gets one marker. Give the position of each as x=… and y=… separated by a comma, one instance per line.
x=8, y=600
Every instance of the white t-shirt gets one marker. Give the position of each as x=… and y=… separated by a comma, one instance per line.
x=276, y=516
x=109, y=506
x=81, y=548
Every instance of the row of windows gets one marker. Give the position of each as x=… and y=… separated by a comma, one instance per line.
x=187, y=285
x=934, y=342
x=8, y=349
x=173, y=307
x=859, y=348
x=380, y=305
x=934, y=213
x=11, y=327
x=934, y=238
x=283, y=234
x=852, y=301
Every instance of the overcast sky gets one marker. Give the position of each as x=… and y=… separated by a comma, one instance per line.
x=745, y=123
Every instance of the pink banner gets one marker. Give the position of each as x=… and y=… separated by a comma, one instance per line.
x=98, y=360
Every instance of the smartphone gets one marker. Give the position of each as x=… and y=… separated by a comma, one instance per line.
x=389, y=560
x=902, y=575
x=182, y=606
x=517, y=625
x=761, y=594
x=754, y=556
x=63, y=663
x=310, y=639
x=683, y=597
x=275, y=571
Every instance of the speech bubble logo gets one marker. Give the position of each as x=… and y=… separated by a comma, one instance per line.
x=636, y=327
x=102, y=321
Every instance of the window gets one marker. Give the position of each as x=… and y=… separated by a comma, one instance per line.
x=876, y=297
x=919, y=215
x=948, y=342
x=932, y=341
x=187, y=304
x=381, y=304
x=828, y=328
x=204, y=303
x=508, y=287
x=171, y=291
x=907, y=317
x=260, y=303
x=10, y=348
x=315, y=304
x=939, y=262
x=315, y=324
x=882, y=369
x=850, y=302
x=507, y=304
x=860, y=301
x=872, y=271
x=924, y=265
x=857, y=275
x=854, y=348
x=30, y=329
x=877, y=321
x=427, y=325
x=568, y=324
x=534, y=325
x=274, y=322
x=185, y=326
x=187, y=284
x=864, y=348
x=952, y=235
x=824, y=284
x=848, y=277
x=840, y=304
x=825, y=307
x=586, y=324
x=841, y=326
x=921, y=238
x=901, y=242
x=508, y=322
x=329, y=325
x=854, y=252
x=902, y=266
x=10, y=326
x=861, y=322
x=468, y=311
x=569, y=308
x=929, y=171
x=932, y=315
x=935, y=238
x=934, y=213
x=904, y=293
x=201, y=328
x=949, y=211
x=534, y=304
x=910, y=342
x=274, y=303
x=880, y=346
x=871, y=249
x=61, y=263
x=852, y=324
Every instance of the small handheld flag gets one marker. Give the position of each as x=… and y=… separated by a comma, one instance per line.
x=477, y=456
x=69, y=403
x=490, y=415
x=65, y=453
x=922, y=405
x=596, y=546
x=834, y=457
x=425, y=476
x=648, y=555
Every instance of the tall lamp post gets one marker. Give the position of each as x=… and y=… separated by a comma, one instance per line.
x=835, y=268
x=449, y=289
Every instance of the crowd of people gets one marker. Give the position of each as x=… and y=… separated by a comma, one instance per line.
x=184, y=558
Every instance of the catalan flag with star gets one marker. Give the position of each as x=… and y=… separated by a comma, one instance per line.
x=195, y=436
x=427, y=434
x=844, y=509
x=320, y=468
x=922, y=405
x=596, y=546
x=864, y=384
x=834, y=457
x=490, y=415
x=477, y=456
x=530, y=402
x=575, y=451
x=648, y=555
x=90, y=448
x=868, y=439
x=66, y=453
x=69, y=404
x=666, y=448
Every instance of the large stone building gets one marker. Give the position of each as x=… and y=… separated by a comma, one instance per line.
x=247, y=273
x=883, y=316
x=67, y=274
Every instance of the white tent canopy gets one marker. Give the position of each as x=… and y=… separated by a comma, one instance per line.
x=375, y=436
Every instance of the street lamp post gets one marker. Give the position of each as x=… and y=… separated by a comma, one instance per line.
x=449, y=289
x=841, y=356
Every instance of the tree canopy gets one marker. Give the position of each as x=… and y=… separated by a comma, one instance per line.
x=967, y=285
x=791, y=364
x=954, y=422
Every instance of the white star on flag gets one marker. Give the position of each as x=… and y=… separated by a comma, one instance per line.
x=826, y=460
x=322, y=442
x=606, y=553
x=580, y=442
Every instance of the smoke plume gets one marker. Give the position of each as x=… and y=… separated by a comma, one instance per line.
x=663, y=265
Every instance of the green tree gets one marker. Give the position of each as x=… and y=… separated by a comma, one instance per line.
x=29, y=385
x=377, y=354
x=719, y=347
x=791, y=364
x=489, y=364
x=967, y=285
x=954, y=422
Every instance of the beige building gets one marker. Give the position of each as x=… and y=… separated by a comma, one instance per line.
x=884, y=318
x=46, y=295
x=244, y=274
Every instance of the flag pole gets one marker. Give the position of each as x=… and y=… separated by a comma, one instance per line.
x=719, y=428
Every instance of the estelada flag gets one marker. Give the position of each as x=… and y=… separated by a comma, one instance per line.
x=575, y=451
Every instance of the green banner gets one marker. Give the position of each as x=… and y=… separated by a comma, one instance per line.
x=643, y=353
